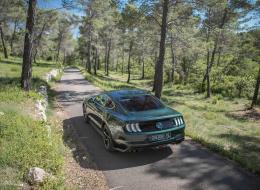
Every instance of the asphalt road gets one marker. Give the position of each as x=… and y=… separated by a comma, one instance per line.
x=184, y=166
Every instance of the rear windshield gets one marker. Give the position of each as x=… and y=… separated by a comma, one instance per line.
x=140, y=103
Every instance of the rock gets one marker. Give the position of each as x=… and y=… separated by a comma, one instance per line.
x=37, y=175
x=52, y=74
x=41, y=106
x=43, y=117
x=43, y=90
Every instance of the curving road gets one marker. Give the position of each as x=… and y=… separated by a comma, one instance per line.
x=184, y=166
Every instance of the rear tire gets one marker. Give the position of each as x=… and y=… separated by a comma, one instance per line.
x=85, y=115
x=107, y=140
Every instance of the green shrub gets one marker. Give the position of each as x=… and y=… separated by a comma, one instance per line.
x=219, y=97
x=25, y=143
x=214, y=100
x=232, y=86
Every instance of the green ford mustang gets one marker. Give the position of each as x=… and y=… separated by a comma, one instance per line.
x=131, y=119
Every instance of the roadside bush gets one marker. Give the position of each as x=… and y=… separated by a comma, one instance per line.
x=223, y=85
x=26, y=143
x=232, y=86
x=243, y=85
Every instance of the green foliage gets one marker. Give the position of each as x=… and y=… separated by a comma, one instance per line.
x=25, y=143
x=232, y=86
x=232, y=56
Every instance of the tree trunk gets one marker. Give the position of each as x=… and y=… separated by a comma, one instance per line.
x=95, y=61
x=129, y=62
x=219, y=56
x=28, y=45
x=209, y=68
x=172, y=74
x=239, y=92
x=105, y=66
x=95, y=56
x=211, y=62
x=82, y=61
x=58, y=48
x=108, y=57
x=123, y=59
x=116, y=64
x=139, y=61
x=254, y=100
x=142, y=60
x=89, y=57
x=186, y=70
x=206, y=73
x=159, y=67
x=3, y=41
x=98, y=63
x=64, y=58
x=13, y=36
x=208, y=54
x=35, y=55
x=173, y=62
x=38, y=41
x=155, y=63
x=143, y=67
x=86, y=64
x=208, y=87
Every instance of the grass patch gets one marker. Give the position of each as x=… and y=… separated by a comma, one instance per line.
x=208, y=120
x=24, y=141
x=12, y=67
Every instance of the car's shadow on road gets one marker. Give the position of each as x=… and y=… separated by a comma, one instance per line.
x=88, y=137
x=187, y=161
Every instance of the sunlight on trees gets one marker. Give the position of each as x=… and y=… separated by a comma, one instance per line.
x=206, y=46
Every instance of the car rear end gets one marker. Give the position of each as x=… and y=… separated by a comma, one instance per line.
x=151, y=133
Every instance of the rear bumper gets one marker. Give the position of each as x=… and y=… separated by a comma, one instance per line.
x=134, y=141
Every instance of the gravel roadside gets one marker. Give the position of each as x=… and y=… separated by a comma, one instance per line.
x=80, y=170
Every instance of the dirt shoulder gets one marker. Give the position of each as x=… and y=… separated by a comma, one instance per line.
x=80, y=170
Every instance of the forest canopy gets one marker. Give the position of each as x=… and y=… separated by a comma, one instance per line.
x=209, y=46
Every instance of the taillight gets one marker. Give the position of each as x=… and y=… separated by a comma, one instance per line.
x=133, y=127
x=178, y=121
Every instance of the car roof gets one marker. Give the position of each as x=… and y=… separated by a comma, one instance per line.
x=117, y=94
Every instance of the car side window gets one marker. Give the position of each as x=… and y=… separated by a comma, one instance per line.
x=99, y=100
x=109, y=103
x=105, y=101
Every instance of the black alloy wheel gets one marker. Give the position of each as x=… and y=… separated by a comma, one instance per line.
x=107, y=140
